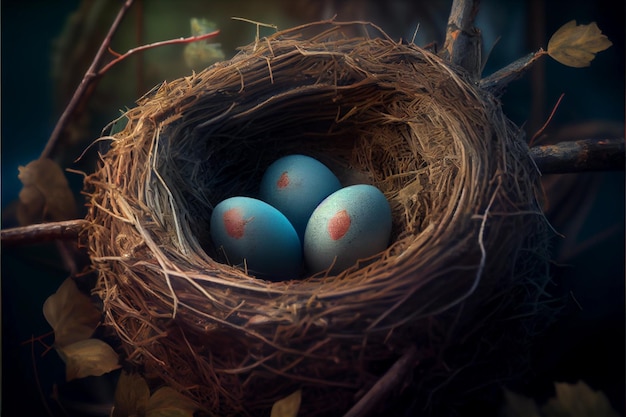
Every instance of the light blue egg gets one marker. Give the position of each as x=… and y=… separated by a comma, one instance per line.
x=350, y=224
x=295, y=185
x=250, y=232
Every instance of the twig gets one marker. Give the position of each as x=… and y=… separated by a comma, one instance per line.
x=496, y=82
x=88, y=78
x=545, y=125
x=580, y=156
x=155, y=45
x=462, y=46
x=385, y=385
x=44, y=232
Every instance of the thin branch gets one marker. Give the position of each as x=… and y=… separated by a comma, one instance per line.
x=580, y=156
x=155, y=45
x=545, y=125
x=389, y=382
x=43, y=232
x=496, y=82
x=88, y=78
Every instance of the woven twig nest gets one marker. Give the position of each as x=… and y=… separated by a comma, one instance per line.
x=467, y=234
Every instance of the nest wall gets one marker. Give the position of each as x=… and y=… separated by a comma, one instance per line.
x=468, y=231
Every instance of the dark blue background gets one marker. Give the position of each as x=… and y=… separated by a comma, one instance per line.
x=586, y=344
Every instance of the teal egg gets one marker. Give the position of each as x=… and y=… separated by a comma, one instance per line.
x=295, y=185
x=351, y=224
x=252, y=234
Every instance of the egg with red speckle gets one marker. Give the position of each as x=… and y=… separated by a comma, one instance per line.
x=252, y=234
x=351, y=224
x=295, y=185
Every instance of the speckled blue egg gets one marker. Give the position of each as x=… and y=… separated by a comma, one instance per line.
x=350, y=224
x=295, y=185
x=251, y=232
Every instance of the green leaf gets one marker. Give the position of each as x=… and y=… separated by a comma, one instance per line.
x=166, y=402
x=91, y=357
x=576, y=45
x=517, y=405
x=71, y=314
x=131, y=396
x=578, y=400
x=288, y=406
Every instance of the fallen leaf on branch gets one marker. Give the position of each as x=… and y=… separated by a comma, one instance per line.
x=71, y=314
x=45, y=195
x=90, y=357
x=578, y=400
x=576, y=45
x=131, y=396
x=288, y=406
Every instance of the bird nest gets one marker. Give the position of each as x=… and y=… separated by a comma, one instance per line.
x=468, y=235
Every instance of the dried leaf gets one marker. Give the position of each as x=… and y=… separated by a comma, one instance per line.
x=578, y=400
x=166, y=402
x=576, y=45
x=91, y=357
x=131, y=396
x=71, y=314
x=45, y=195
x=288, y=406
x=516, y=405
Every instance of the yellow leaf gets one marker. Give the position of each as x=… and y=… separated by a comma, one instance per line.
x=288, y=406
x=45, y=195
x=578, y=400
x=131, y=396
x=71, y=314
x=516, y=405
x=91, y=357
x=576, y=45
x=166, y=402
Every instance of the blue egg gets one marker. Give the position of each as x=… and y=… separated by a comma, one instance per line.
x=251, y=233
x=295, y=185
x=350, y=224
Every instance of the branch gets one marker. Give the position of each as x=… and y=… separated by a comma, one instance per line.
x=88, y=78
x=462, y=46
x=155, y=45
x=496, y=82
x=580, y=156
x=385, y=385
x=44, y=232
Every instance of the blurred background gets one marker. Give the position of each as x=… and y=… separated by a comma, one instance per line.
x=47, y=46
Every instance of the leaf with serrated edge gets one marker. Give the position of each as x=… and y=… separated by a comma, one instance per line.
x=91, y=357
x=576, y=45
x=578, y=400
x=166, y=402
x=131, y=396
x=71, y=314
x=288, y=406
